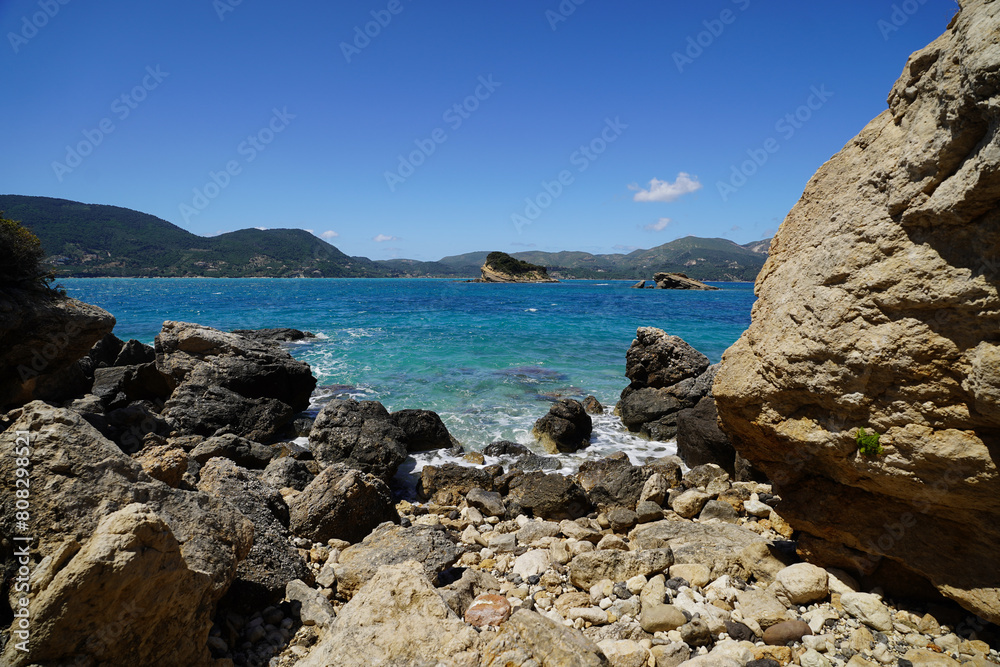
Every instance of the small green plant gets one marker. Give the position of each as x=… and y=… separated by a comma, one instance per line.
x=868, y=443
x=21, y=255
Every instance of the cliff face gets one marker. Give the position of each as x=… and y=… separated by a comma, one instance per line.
x=500, y=267
x=879, y=308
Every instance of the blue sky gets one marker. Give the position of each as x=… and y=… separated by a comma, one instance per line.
x=450, y=126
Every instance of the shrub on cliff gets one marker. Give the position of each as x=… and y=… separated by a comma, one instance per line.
x=504, y=263
x=21, y=255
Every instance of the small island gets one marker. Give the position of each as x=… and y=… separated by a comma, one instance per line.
x=500, y=267
x=674, y=281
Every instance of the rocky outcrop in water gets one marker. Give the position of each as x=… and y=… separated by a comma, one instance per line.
x=679, y=281
x=500, y=267
x=879, y=308
x=225, y=383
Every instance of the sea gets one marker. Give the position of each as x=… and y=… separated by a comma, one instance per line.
x=488, y=358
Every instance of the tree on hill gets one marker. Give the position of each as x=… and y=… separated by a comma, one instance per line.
x=21, y=255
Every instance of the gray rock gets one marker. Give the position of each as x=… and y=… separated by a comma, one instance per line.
x=286, y=472
x=490, y=503
x=695, y=633
x=869, y=609
x=648, y=511
x=244, y=453
x=451, y=481
x=587, y=568
x=719, y=546
x=473, y=583
x=272, y=561
x=361, y=435
x=547, y=496
x=536, y=530
x=391, y=545
x=622, y=519
x=700, y=440
x=720, y=510
x=566, y=428
x=341, y=503
x=656, y=359
x=613, y=481
x=315, y=609
x=761, y=606
x=424, y=430
x=702, y=475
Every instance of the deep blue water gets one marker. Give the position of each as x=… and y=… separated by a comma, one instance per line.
x=487, y=357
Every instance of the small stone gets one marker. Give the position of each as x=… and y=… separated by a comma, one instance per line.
x=624, y=652
x=635, y=584
x=502, y=542
x=689, y=503
x=868, y=609
x=695, y=574
x=779, y=525
x=782, y=655
x=648, y=511
x=476, y=458
x=532, y=564
x=756, y=508
x=488, y=610
x=695, y=633
x=621, y=591
x=718, y=510
x=592, y=615
x=928, y=658
x=613, y=542
x=655, y=489
x=740, y=632
x=762, y=606
x=670, y=655
x=813, y=658
x=661, y=618
x=782, y=633
x=489, y=503
x=622, y=520
x=532, y=531
x=801, y=583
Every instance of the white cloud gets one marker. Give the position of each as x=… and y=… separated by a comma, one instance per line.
x=329, y=234
x=624, y=248
x=665, y=191
x=311, y=231
x=382, y=238
x=263, y=229
x=658, y=226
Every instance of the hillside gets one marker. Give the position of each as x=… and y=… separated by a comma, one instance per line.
x=91, y=240
x=97, y=240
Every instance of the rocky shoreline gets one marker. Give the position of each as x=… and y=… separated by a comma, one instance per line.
x=176, y=467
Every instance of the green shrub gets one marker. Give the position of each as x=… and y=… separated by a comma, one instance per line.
x=21, y=255
x=868, y=443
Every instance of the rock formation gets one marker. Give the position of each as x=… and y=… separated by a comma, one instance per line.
x=679, y=281
x=500, y=267
x=879, y=308
x=42, y=335
x=225, y=383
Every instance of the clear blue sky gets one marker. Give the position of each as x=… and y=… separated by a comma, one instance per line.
x=309, y=117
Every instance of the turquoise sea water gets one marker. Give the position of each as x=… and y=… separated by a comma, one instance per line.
x=488, y=358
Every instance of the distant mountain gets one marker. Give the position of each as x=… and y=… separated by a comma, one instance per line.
x=91, y=240
x=96, y=240
x=763, y=247
x=702, y=259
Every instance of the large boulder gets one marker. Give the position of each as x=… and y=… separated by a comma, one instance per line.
x=120, y=552
x=424, y=430
x=566, y=428
x=225, y=383
x=667, y=377
x=701, y=441
x=341, y=503
x=528, y=638
x=879, y=308
x=272, y=562
x=431, y=546
x=547, y=496
x=613, y=481
x=360, y=434
x=447, y=483
x=42, y=335
x=396, y=618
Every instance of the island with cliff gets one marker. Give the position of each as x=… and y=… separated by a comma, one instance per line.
x=500, y=267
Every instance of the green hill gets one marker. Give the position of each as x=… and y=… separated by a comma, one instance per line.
x=96, y=240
